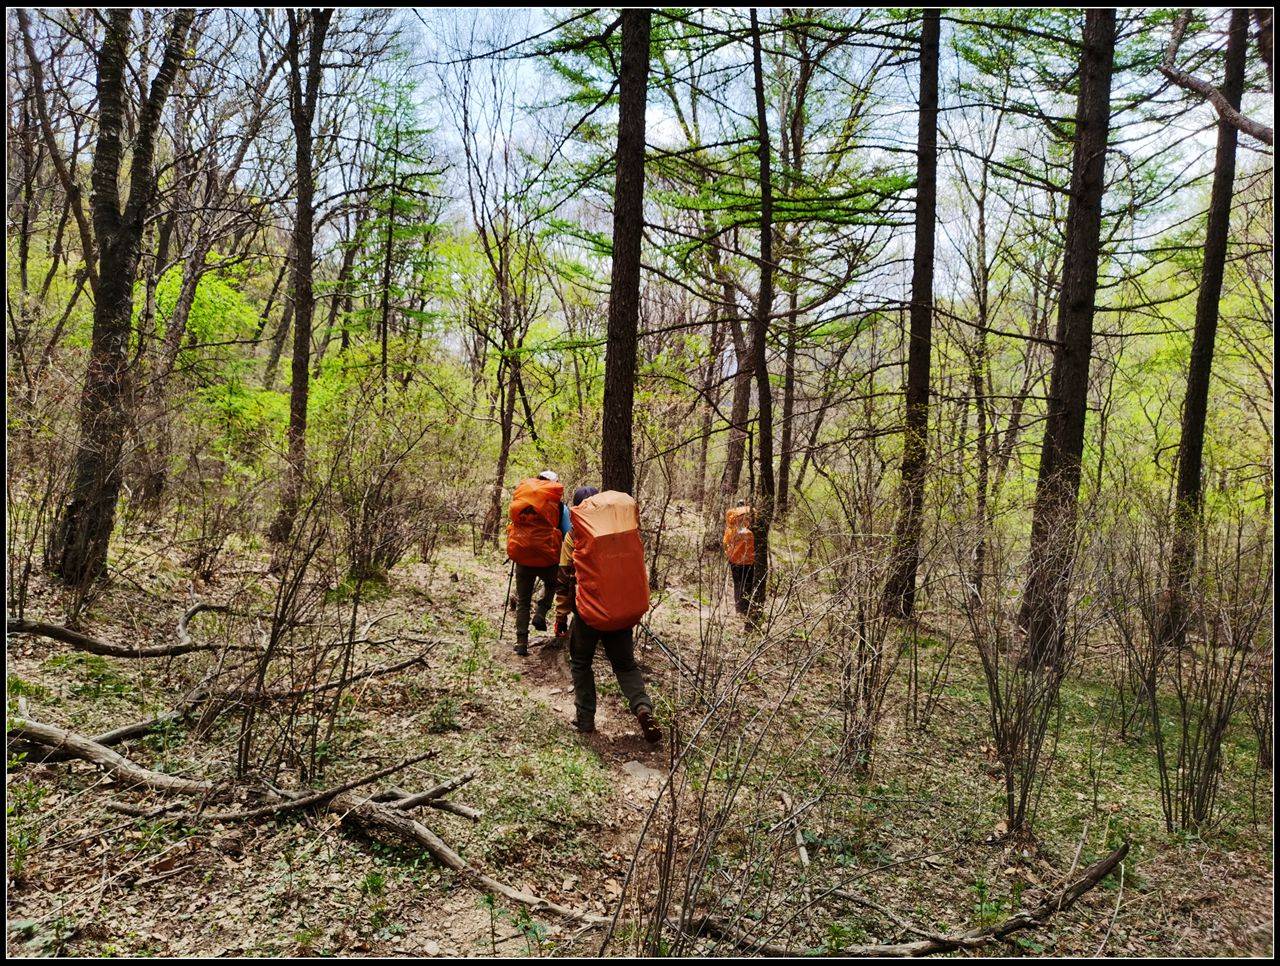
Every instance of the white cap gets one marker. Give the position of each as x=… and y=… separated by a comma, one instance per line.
x=549, y=475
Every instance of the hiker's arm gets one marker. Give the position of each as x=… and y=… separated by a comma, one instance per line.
x=566, y=585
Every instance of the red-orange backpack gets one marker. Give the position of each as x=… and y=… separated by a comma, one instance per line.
x=608, y=560
x=739, y=540
x=533, y=535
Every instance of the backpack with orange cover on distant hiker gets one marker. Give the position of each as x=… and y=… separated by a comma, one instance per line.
x=533, y=535
x=739, y=540
x=608, y=559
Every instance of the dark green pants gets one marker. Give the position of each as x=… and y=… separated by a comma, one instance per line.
x=619, y=648
x=744, y=586
x=526, y=581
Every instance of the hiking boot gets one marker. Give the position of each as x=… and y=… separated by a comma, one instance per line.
x=586, y=726
x=649, y=725
x=522, y=648
x=539, y=621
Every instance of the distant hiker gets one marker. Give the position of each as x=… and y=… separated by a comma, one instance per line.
x=533, y=544
x=740, y=548
x=603, y=584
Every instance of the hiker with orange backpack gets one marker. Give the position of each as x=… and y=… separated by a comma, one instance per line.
x=603, y=585
x=533, y=545
x=740, y=548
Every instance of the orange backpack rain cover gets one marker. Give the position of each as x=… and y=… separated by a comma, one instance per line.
x=608, y=558
x=533, y=535
x=739, y=541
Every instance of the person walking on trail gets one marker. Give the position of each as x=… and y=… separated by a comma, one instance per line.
x=538, y=520
x=740, y=548
x=603, y=587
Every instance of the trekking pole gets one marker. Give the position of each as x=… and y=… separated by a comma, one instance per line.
x=674, y=657
x=506, y=601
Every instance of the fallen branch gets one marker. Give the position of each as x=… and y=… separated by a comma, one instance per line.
x=94, y=645
x=297, y=800
x=370, y=816
x=193, y=699
x=352, y=809
x=798, y=835
x=331, y=685
x=119, y=767
x=141, y=811
x=37, y=754
x=393, y=796
x=432, y=794
x=931, y=944
x=184, y=637
x=453, y=808
x=889, y=914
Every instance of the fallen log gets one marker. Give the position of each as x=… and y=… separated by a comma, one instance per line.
x=119, y=767
x=931, y=944
x=38, y=754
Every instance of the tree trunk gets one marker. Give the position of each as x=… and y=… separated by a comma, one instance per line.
x=277, y=341
x=65, y=171
x=1187, y=501
x=384, y=321
x=1262, y=17
x=740, y=404
x=78, y=550
x=1053, y=525
x=303, y=96
x=736, y=446
x=155, y=472
x=793, y=138
x=265, y=317
x=900, y=586
x=341, y=293
x=788, y=409
x=617, y=469
x=493, y=516
x=764, y=500
x=710, y=403
x=980, y=384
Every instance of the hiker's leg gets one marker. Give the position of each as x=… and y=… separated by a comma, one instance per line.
x=525, y=578
x=749, y=582
x=620, y=648
x=548, y=577
x=739, y=574
x=582, y=648
x=749, y=586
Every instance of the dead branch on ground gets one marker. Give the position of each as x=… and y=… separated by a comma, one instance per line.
x=931, y=944
x=94, y=645
x=120, y=767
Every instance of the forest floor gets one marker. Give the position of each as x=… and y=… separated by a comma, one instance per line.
x=563, y=813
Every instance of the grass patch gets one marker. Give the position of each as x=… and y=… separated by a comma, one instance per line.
x=92, y=676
